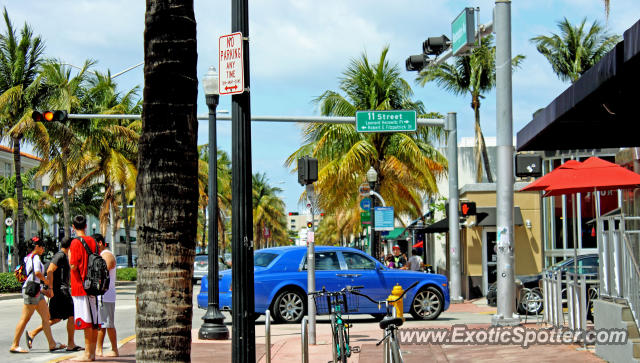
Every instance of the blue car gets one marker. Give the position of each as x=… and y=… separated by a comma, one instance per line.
x=281, y=283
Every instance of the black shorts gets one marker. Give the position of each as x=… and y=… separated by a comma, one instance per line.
x=61, y=306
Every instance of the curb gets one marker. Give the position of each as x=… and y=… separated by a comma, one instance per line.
x=71, y=356
x=125, y=283
x=10, y=296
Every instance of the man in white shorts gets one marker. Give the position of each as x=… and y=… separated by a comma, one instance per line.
x=85, y=307
x=107, y=302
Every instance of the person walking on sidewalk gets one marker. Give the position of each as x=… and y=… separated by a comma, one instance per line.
x=85, y=307
x=60, y=304
x=107, y=302
x=35, y=275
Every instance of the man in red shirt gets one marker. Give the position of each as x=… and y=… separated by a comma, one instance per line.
x=85, y=307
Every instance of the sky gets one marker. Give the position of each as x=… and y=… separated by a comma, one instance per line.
x=299, y=48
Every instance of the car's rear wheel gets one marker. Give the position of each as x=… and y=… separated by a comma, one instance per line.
x=289, y=307
x=427, y=304
x=531, y=302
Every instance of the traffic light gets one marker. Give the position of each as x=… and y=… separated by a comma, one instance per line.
x=49, y=116
x=417, y=62
x=293, y=213
x=307, y=170
x=435, y=45
x=309, y=224
x=467, y=209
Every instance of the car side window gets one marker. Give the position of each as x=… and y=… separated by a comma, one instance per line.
x=356, y=261
x=325, y=261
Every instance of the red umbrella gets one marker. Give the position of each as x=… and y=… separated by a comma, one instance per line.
x=558, y=174
x=594, y=174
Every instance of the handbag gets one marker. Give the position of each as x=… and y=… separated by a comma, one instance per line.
x=32, y=288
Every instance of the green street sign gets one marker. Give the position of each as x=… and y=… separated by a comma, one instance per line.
x=463, y=32
x=365, y=217
x=9, y=236
x=386, y=121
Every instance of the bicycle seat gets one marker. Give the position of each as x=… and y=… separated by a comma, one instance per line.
x=384, y=323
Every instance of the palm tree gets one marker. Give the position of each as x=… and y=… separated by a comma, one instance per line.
x=407, y=163
x=268, y=212
x=19, y=62
x=473, y=74
x=575, y=49
x=167, y=184
x=34, y=203
x=58, y=142
x=109, y=149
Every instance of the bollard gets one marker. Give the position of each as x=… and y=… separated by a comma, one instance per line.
x=267, y=336
x=305, y=339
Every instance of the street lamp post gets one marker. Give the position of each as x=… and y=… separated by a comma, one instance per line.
x=372, y=178
x=213, y=327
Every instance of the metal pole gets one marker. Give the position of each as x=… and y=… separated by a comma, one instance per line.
x=454, y=224
x=504, y=188
x=375, y=246
x=305, y=340
x=213, y=326
x=267, y=336
x=311, y=270
x=244, y=334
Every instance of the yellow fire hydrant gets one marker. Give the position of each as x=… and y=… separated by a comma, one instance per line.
x=396, y=292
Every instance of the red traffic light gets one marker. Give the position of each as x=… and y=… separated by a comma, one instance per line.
x=49, y=115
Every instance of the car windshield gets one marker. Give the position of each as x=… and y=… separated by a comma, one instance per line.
x=585, y=265
x=202, y=258
x=121, y=260
x=263, y=259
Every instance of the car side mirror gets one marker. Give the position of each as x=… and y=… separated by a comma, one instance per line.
x=378, y=266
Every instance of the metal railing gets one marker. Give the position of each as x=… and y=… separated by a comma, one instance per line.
x=577, y=301
x=552, y=298
x=619, y=271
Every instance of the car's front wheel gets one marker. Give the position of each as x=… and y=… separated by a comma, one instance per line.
x=289, y=307
x=531, y=302
x=427, y=304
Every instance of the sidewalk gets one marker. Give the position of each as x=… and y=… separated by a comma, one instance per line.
x=286, y=344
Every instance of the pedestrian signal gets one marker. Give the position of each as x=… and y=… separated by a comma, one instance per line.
x=467, y=209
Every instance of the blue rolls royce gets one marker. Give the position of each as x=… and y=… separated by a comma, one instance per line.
x=281, y=283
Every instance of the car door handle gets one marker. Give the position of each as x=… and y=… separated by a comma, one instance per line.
x=348, y=275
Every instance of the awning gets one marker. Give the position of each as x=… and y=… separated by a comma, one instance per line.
x=395, y=234
x=598, y=111
x=486, y=216
x=441, y=226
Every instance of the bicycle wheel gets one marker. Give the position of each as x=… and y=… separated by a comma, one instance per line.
x=334, y=338
x=342, y=351
x=394, y=347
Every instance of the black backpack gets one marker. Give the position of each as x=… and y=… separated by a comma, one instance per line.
x=96, y=279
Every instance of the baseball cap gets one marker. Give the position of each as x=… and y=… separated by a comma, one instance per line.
x=396, y=247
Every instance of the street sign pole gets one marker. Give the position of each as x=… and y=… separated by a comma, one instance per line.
x=454, y=224
x=311, y=269
x=243, y=302
x=505, y=315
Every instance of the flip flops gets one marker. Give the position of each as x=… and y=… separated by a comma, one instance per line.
x=77, y=348
x=57, y=347
x=29, y=339
x=18, y=350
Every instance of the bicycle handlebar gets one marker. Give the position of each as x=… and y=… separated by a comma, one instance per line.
x=383, y=301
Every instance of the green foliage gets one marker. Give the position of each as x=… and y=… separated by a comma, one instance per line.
x=127, y=274
x=8, y=283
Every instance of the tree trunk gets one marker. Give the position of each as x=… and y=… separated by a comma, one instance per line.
x=65, y=197
x=112, y=220
x=481, y=155
x=125, y=219
x=17, y=162
x=167, y=184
